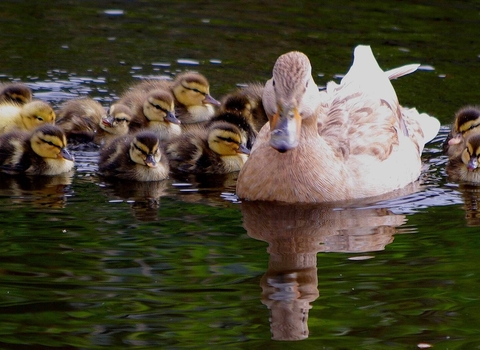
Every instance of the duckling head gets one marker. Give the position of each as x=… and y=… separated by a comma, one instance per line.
x=145, y=149
x=193, y=89
x=49, y=141
x=17, y=93
x=117, y=119
x=471, y=153
x=289, y=96
x=238, y=104
x=225, y=139
x=467, y=120
x=36, y=113
x=159, y=106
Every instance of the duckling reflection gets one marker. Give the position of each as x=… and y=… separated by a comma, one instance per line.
x=295, y=234
x=471, y=199
x=39, y=191
x=143, y=197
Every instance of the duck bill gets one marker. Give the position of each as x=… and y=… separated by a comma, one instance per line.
x=455, y=140
x=243, y=149
x=210, y=100
x=150, y=161
x=65, y=154
x=107, y=120
x=472, y=164
x=170, y=117
x=285, y=130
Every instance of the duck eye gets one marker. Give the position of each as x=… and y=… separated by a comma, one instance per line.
x=273, y=82
x=39, y=118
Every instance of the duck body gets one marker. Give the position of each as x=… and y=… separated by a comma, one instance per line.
x=352, y=141
x=216, y=149
x=25, y=117
x=137, y=157
x=40, y=152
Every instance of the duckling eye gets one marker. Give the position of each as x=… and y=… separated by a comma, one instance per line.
x=119, y=120
x=195, y=90
x=158, y=107
x=39, y=118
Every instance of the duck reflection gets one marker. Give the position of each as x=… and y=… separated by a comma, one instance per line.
x=295, y=234
x=38, y=190
x=471, y=199
x=142, y=196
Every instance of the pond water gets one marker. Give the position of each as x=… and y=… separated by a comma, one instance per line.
x=182, y=264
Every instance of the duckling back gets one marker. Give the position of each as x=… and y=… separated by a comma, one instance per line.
x=15, y=92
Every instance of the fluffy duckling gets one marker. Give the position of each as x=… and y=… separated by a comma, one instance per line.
x=352, y=141
x=246, y=129
x=39, y=152
x=466, y=123
x=85, y=120
x=464, y=167
x=25, y=117
x=136, y=157
x=114, y=124
x=153, y=110
x=217, y=149
x=191, y=90
x=15, y=92
x=247, y=102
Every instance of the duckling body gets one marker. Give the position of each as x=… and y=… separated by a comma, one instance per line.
x=247, y=102
x=153, y=110
x=466, y=123
x=25, y=117
x=137, y=157
x=218, y=149
x=40, y=152
x=465, y=165
x=191, y=90
x=85, y=120
x=15, y=92
x=352, y=141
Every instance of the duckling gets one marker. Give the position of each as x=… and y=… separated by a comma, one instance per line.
x=115, y=123
x=217, y=149
x=354, y=140
x=153, y=110
x=39, y=152
x=466, y=123
x=79, y=118
x=191, y=90
x=25, y=117
x=137, y=157
x=15, y=92
x=85, y=119
x=464, y=167
x=247, y=131
x=247, y=102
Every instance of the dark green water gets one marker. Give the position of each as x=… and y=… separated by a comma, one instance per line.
x=89, y=264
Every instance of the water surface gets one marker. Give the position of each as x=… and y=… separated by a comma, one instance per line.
x=88, y=263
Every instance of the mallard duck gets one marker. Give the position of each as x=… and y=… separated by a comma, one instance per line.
x=466, y=123
x=191, y=90
x=39, y=152
x=464, y=167
x=85, y=119
x=217, y=149
x=25, y=117
x=247, y=102
x=153, y=110
x=15, y=92
x=351, y=141
x=137, y=157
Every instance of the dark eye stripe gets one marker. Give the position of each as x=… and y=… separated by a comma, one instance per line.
x=159, y=107
x=51, y=143
x=196, y=90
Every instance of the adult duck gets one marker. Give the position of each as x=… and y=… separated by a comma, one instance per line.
x=352, y=141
